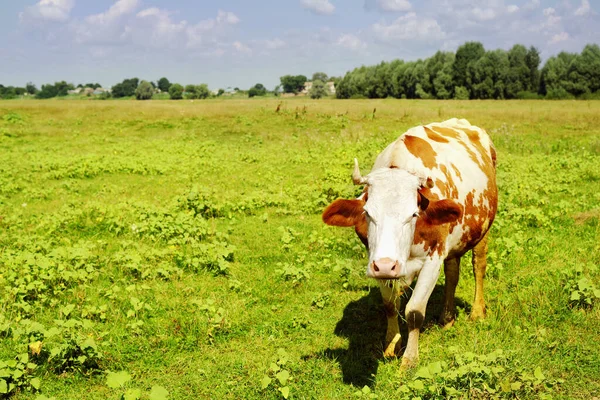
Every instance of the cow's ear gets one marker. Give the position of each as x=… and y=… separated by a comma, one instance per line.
x=442, y=211
x=344, y=212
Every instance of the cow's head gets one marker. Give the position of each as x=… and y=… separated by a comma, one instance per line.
x=385, y=217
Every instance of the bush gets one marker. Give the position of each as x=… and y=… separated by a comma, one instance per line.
x=257, y=90
x=318, y=90
x=461, y=93
x=525, y=95
x=558, y=94
x=590, y=96
x=144, y=91
x=197, y=91
x=176, y=91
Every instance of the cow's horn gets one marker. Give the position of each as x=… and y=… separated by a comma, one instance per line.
x=356, y=177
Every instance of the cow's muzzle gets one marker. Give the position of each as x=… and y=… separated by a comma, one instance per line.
x=385, y=268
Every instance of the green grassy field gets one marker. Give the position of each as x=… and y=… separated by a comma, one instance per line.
x=181, y=242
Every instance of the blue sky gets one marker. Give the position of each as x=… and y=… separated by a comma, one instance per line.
x=231, y=43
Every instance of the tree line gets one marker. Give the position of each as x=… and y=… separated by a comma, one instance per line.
x=474, y=73
x=470, y=73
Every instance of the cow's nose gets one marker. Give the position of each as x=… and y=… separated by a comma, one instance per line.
x=385, y=268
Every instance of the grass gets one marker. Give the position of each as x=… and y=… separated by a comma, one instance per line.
x=147, y=201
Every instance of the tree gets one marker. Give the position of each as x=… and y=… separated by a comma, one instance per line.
x=197, y=91
x=257, y=90
x=518, y=76
x=488, y=75
x=319, y=76
x=144, y=91
x=125, y=88
x=176, y=91
x=58, y=89
x=48, y=91
x=532, y=59
x=293, y=84
x=318, y=89
x=554, y=73
x=30, y=87
x=220, y=92
x=466, y=54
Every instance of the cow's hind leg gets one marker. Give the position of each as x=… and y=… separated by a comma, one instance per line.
x=451, y=272
x=391, y=303
x=479, y=266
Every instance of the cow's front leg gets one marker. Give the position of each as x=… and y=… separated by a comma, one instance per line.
x=415, y=309
x=391, y=292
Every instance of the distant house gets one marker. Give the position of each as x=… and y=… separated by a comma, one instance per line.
x=308, y=85
x=74, y=91
x=331, y=87
x=99, y=90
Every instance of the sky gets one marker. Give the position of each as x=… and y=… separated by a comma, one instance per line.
x=238, y=43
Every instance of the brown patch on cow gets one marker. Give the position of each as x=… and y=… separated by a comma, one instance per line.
x=448, y=132
x=493, y=152
x=421, y=149
x=459, y=139
x=456, y=171
x=432, y=237
x=436, y=137
x=434, y=226
x=451, y=186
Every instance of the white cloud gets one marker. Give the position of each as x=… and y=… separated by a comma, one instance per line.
x=226, y=17
x=48, y=10
x=350, y=41
x=394, y=5
x=409, y=26
x=156, y=28
x=241, y=48
x=560, y=37
x=512, y=8
x=120, y=8
x=584, y=9
x=485, y=14
x=274, y=44
x=204, y=31
x=532, y=5
x=318, y=6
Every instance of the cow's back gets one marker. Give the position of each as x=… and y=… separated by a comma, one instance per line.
x=460, y=159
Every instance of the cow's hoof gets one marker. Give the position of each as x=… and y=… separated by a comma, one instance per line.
x=408, y=363
x=389, y=354
x=477, y=313
x=448, y=324
x=390, y=350
x=447, y=321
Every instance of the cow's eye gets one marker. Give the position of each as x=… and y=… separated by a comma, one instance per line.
x=416, y=215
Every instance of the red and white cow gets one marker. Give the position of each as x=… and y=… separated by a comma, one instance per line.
x=430, y=197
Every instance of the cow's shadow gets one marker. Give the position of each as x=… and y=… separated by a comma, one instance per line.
x=364, y=324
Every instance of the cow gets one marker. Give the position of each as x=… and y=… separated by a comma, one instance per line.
x=430, y=197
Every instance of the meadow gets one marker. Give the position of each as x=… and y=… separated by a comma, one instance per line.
x=175, y=250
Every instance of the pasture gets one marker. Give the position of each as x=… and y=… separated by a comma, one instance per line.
x=174, y=247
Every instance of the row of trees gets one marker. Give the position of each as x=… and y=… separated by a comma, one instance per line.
x=470, y=73
x=474, y=73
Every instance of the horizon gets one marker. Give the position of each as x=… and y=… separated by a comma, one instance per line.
x=236, y=44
